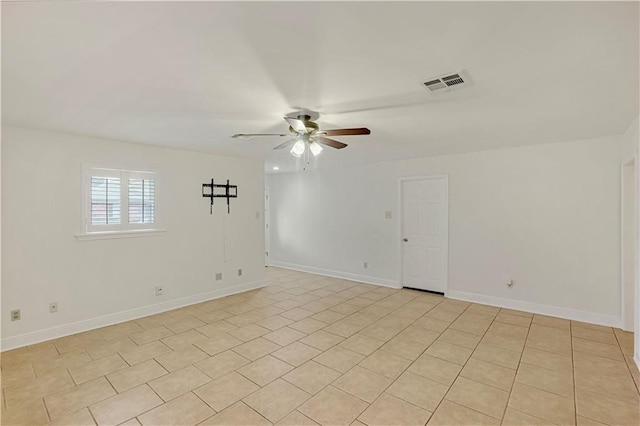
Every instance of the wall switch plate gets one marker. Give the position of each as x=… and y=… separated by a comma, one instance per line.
x=53, y=307
x=218, y=276
x=15, y=315
x=387, y=214
x=240, y=272
x=159, y=290
x=365, y=265
x=257, y=215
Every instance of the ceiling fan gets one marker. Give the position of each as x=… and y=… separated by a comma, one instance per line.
x=307, y=134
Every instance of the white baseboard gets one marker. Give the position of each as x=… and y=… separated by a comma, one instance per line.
x=336, y=274
x=536, y=308
x=118, y=317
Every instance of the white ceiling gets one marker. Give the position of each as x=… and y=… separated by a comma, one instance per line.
x=189, y=75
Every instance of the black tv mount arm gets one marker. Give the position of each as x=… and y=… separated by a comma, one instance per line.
x=227, y=193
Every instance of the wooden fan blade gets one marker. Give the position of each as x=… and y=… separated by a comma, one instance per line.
x=331, y=143
x=346, y=132
x=286, y=144
x=249, y=135
x=297, y=125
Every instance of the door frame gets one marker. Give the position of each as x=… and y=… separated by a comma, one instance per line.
x=266, y=219
x=401, y=181
x=631, y=161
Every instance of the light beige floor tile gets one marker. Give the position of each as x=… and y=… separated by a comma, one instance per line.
x=145, y=352
x=617, y=387
x=27, y=413
x=177, y=360
x=513, y=319
x=226, y=390
x=333, y=407
x=545, y=405
x=597, y=336
x=380, y=332
x=184, y=340
x=125, y=406
x=185, y=324
x=450, y=413
x=362, y=383
x=557, y=382
x=216, y=328
x=276, y=400
x=361, y=344
x=265, y=370
x=511, y=343
x=518, y=313
x=439, y=370
x=418, y=390
x=460, y=338
x=185, y=410
x=178, y=383
x=386, y=364
x=480, y=397
x=419, y=334
x=404, y=347
x=25, y=372
x=77, y=397
x=131, y=377
x=431, y=324
x=94, y=369
x=597, y=348
x=339, y=359
x=221, y=364
x=275, y=322
x=284, y=336
x=389, y=410
x=559, y=323
x=50, y=382
x=256, y=348
x=322, y=340
x=296, y=418
x=489, y=374
x=589, y=362
x=308, y=325
x=583, y=421
x=311, y=377
x=328, y=316
x=544, y=332
x=248, y=332
x=548, y=360
x=78, y=418
x=509, y=329
x=218, y=343
x=448, y=352
x=607, y=410
x=496, y=355
x=296, y=353
x=66, y=360
x=239, y=414
x=296, y=314
x=559, y=347
x=518, y=418
x=471, y=326
x=150, y=335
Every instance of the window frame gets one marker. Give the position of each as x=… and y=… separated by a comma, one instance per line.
x=124, y=227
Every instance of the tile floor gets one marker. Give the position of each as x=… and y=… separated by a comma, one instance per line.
x=312, y=350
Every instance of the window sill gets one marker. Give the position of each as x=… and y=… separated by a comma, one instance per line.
x=107, y=235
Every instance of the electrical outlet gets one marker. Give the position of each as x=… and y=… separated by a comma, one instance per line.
x=365, y=265
x=15, y=315
x=53, y=307
x=218, y=276
x=240, y=272
x=510, y=283
x=159, y=290
x=387, y=214
x=257, y=215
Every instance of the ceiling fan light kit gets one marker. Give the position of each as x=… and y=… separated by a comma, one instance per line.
x=308, y=133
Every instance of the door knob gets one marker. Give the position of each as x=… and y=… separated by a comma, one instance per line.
x=405, y=239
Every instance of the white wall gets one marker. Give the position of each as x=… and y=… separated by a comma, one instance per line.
x=105, y=281
x=546, y=216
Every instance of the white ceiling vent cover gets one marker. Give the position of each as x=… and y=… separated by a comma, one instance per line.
x=448, y=82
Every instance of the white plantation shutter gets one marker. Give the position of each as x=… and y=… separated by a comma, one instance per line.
x=106, y=205
x=121, y=200
x=142, y=200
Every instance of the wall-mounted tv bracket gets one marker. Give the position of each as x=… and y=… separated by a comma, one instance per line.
x=213, y=190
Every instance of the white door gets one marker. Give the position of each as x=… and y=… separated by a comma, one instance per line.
x=425, y=234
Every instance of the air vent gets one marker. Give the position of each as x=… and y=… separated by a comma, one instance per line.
x=446, y=82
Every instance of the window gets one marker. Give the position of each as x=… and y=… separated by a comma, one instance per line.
x=121, y=200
